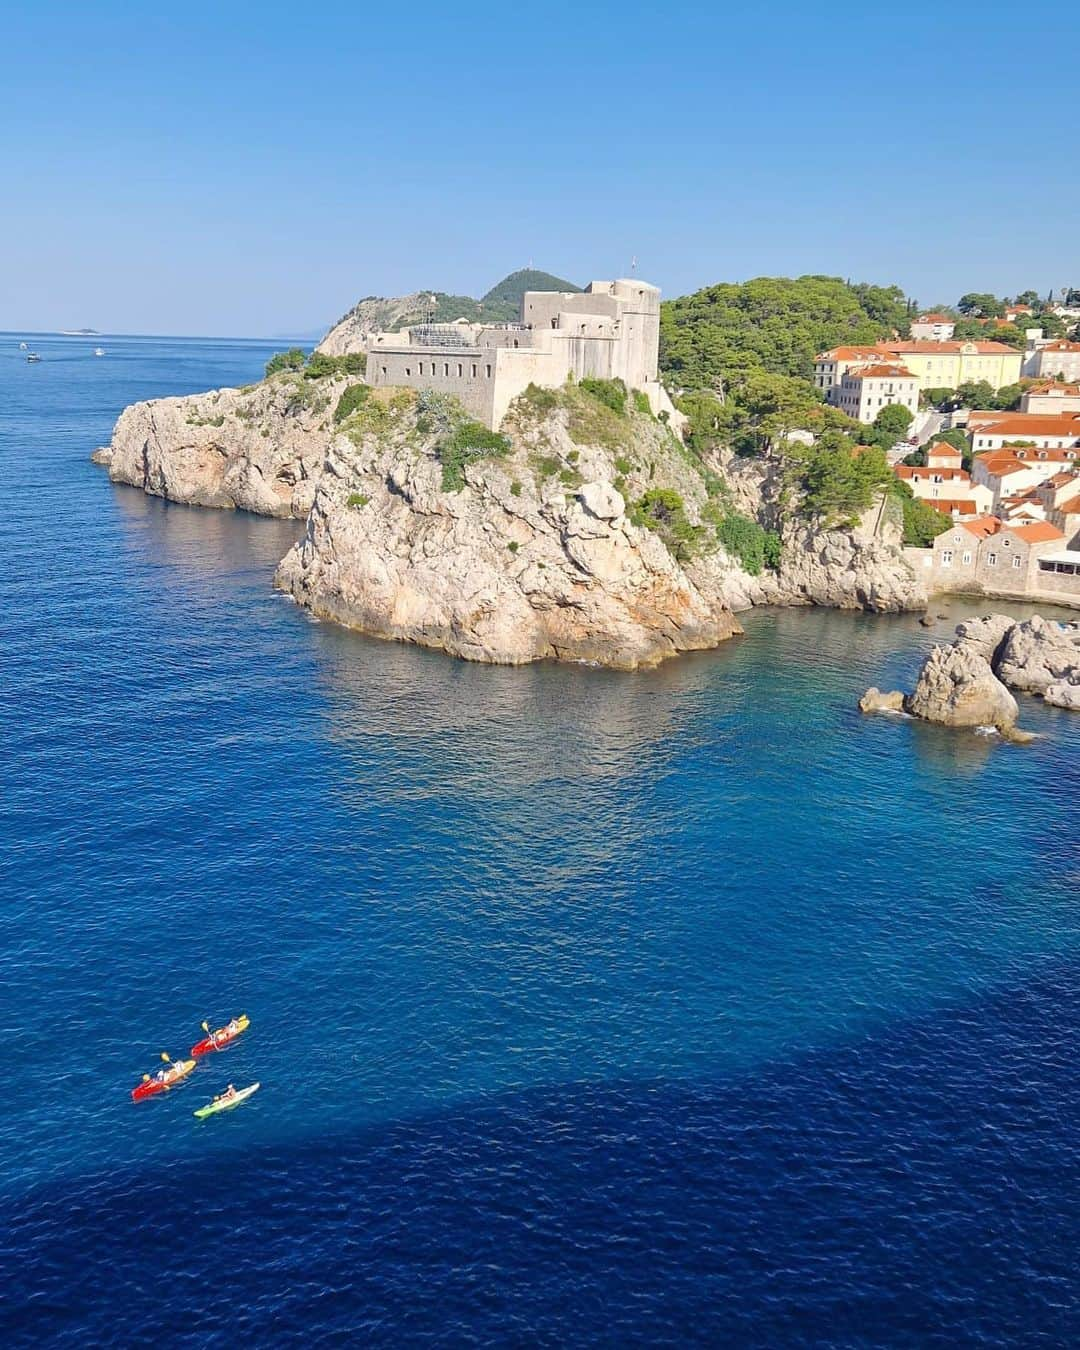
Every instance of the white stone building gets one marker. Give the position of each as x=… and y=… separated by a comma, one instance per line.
x=864, y=390
x=1050, y=399
x=933, y=328
x=609, y=331
x=1058, y=360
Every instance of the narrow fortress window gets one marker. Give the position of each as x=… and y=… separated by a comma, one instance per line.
x=460, y=370
x=408, y=371
x=489, y=372
x=515, y=342
x=384, y=370
x=555, y=323
x=474, y=370
x=446, y=367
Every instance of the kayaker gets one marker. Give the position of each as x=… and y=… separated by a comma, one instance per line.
x=227, y=1095
x=233, y=1027
x=162, y=1075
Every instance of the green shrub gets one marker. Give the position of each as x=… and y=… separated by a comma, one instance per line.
x=663, y=511
x=354, y=397
x=624, y=465
x=293, y=359
x=571, y=478
x=922, y=524
x=515, y=488
x=468, y=441
x=320, y=366
x=641, y=402
x=573, y=456
x=542, y=400
x=513, y=546
x=544, y=465
x=611, y=393
x=745, y=540
x=357, y=499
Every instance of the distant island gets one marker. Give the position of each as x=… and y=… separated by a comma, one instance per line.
x=79, y=332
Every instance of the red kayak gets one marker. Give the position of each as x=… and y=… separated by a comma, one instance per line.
x=175, y=1073
x=217, y=1040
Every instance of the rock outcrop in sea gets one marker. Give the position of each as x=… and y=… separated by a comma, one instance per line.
x=968, y=682
x=583, y=533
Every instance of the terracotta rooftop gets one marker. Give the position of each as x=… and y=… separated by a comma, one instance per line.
x=1038, y=532
x=983, y=526
x=924, y=472
x=879, y=372
x=934, y=348
x=947, y=505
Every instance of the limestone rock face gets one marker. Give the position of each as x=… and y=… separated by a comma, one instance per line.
x=258, y=449
x=1037, y=654
x=875, y=700
x=957, y=687
x=514, y=567
x=984, y=636
x=859, y=568
x=1063, y=694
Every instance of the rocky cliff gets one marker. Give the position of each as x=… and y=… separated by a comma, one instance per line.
x=260, y=448
x=586, y=532
x=505, y=552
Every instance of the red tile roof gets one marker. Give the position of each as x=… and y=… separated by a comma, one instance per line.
x=923, y=472
x=1038, y=532
x=947, y=505
x=879, y=372
x=983, y=526
x=984, y=348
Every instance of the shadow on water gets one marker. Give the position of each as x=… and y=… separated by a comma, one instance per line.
x=874, y=1195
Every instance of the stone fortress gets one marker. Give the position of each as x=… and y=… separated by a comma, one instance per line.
x=611, y=330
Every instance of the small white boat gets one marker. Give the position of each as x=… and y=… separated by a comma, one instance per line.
x=22, y=346
x=99, y=351
x=32, y=356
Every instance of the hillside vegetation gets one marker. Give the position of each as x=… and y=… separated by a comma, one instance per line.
x=774, y=324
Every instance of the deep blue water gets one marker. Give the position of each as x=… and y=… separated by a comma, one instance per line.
x=686, y=1007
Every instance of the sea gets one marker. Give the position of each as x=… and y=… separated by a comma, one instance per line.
x=687, y=1007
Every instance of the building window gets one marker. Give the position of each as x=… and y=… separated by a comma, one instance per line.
x=515, y=342
x=488, y=368
x=446, y=368
x=384, y=370
x=460, y=369
x=991, y=560
x=408, y=370
x=946, y=558
x=966, y=559
x=1017, y=560
x=474, y=370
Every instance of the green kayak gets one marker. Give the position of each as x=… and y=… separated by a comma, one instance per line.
x=225, y=1103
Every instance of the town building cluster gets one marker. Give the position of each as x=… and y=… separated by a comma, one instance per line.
x=1015, y=516
x=863, y=380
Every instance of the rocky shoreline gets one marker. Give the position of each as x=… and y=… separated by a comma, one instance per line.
x=536, y=550
x=969, y=682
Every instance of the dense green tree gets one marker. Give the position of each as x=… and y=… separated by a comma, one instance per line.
x=293, y=359
x=922, y=523
x=893, y=420
x=976, y=394
x=839, y=480
x=775, y=324
x=981, y=304
x=1031, y=298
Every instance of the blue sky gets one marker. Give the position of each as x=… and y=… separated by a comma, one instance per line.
x=254, y=169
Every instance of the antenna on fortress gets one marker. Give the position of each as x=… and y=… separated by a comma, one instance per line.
x=633, y=265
